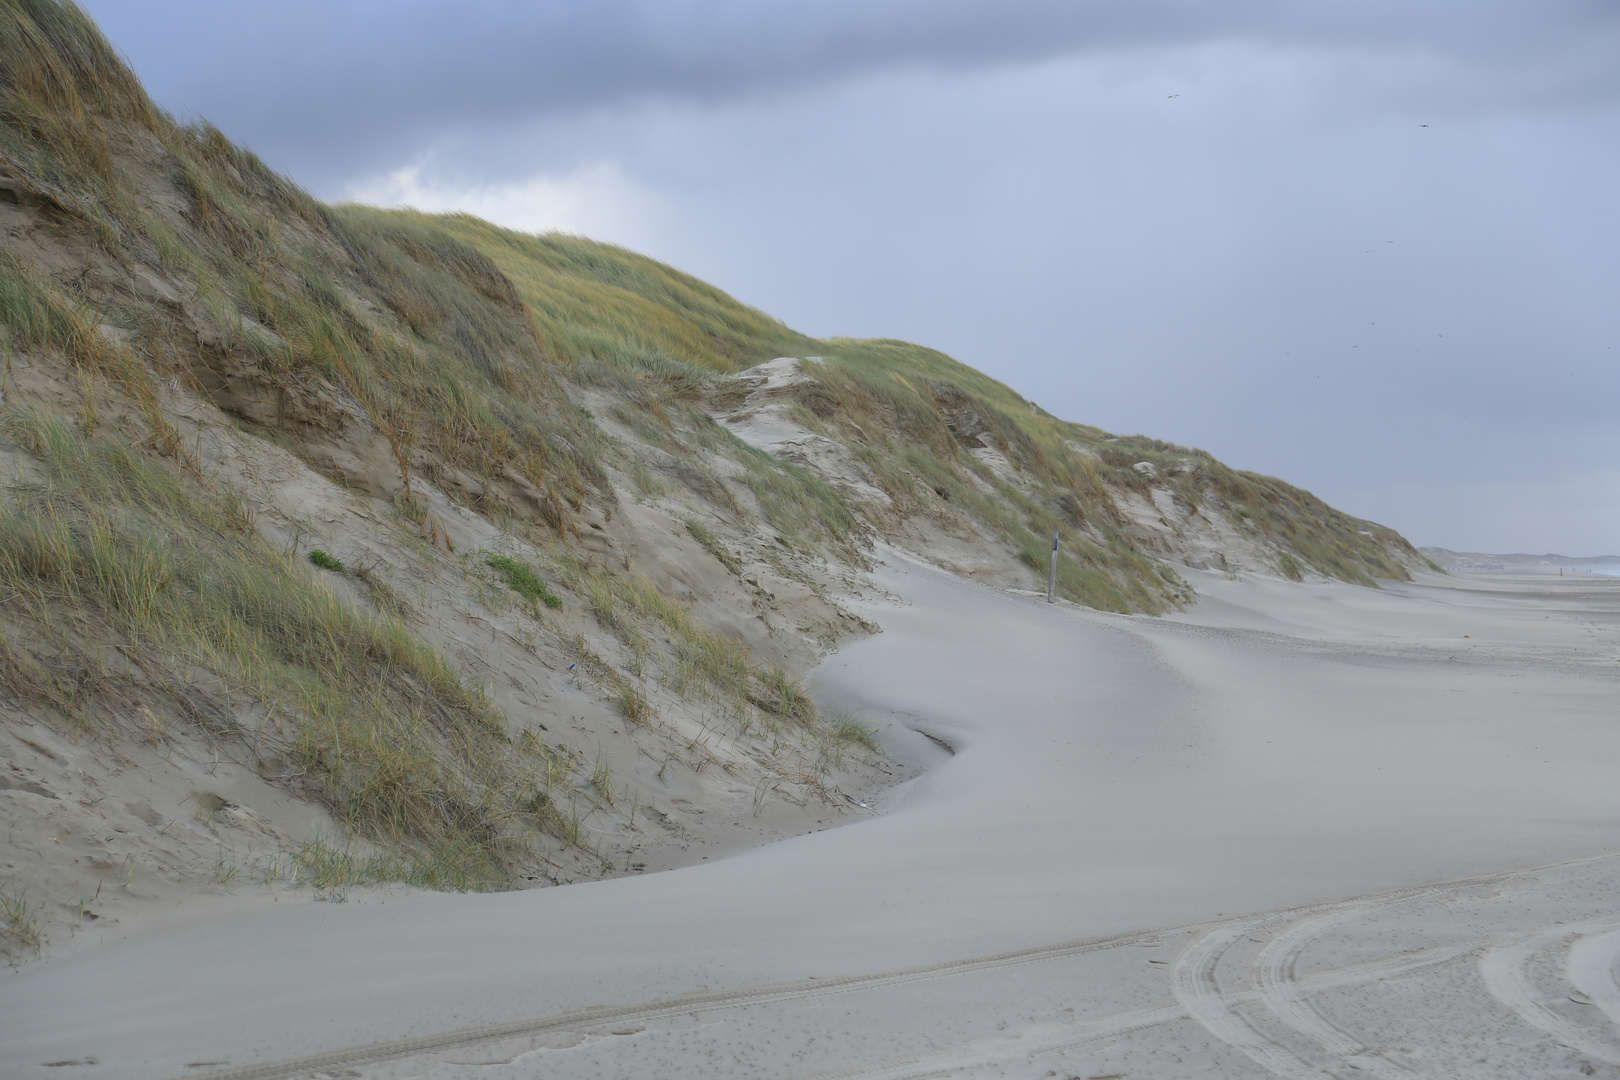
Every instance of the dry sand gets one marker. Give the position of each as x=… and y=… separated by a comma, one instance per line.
x=1299, y=830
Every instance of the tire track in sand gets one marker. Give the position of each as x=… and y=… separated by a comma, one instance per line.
x=702, y=1001
x=1504, y=970
x=1218, y=931
x=1079, y=1034
x=1591, y=968
x=1192, y=980
x=1281, y=992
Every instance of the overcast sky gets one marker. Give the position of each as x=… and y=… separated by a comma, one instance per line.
x=1370, y=247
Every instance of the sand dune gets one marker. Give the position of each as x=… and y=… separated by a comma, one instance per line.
x=1296, y=828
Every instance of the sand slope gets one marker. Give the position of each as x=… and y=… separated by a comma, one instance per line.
x=1203, y=846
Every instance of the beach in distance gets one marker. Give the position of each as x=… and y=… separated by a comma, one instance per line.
x=1292, y=830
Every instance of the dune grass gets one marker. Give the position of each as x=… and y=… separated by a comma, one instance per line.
x=856, y=733
x=521, y=578
x=711, y=543
x=442, y=354
x=333, y=866
x=382, y=728
x=912, y=414
x=459, y=339
x=671, y=648
x=36, y=314
x=19, y=924
x=916, y=413
x=61, y=83
x=595, y=301
x=933, y=402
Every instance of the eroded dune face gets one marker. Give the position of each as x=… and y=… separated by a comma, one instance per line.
x=1299, y=828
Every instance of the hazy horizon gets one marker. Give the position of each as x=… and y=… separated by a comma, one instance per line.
x=1366, y=248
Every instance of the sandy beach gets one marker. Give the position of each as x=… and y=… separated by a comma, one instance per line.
x=1296, y=830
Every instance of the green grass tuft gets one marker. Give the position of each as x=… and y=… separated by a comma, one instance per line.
x=521, y=578
x=325, y=561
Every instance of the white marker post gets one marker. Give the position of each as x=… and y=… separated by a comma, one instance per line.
x=1051, y=574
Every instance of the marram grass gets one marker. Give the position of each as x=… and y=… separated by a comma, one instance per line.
x=380, y=726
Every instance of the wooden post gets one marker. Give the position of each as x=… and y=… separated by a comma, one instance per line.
x=1051, y=574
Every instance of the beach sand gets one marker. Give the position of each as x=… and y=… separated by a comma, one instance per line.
x=1296, y=830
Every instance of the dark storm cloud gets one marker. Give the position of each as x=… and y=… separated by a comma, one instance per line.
x=330, y=88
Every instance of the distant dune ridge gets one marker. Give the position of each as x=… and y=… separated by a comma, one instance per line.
x=343, y=545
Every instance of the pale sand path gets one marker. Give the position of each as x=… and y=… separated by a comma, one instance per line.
x=1276, y=745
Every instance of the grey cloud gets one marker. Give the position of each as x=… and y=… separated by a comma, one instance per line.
x=331, y=88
